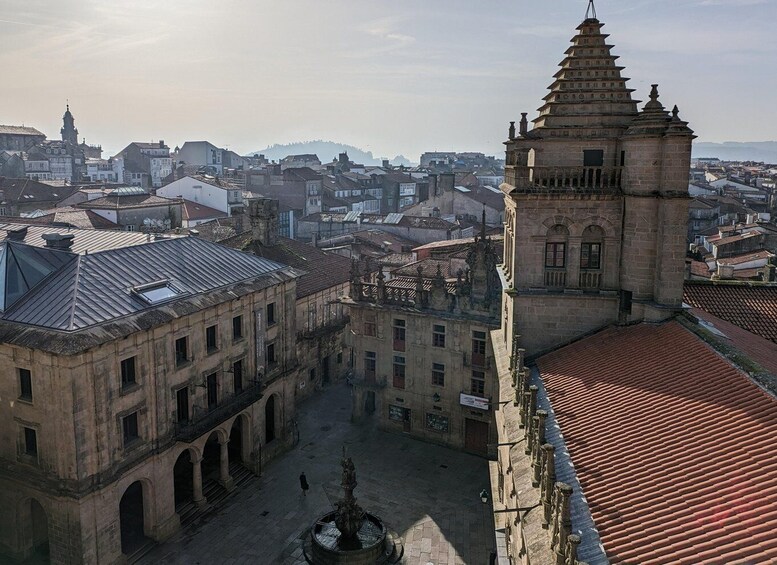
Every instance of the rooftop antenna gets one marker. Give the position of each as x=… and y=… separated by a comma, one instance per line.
x=591, y=10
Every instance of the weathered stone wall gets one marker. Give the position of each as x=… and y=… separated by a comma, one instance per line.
x=547, y=321
x=420, y=354
x=535, y=215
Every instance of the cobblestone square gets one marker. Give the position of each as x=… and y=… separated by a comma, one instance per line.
x=426, y=493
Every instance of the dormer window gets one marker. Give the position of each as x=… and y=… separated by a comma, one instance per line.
x=156, y=292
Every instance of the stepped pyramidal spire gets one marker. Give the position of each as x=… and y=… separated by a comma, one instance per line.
x=588, y=91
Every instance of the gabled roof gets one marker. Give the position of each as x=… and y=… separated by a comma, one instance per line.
x=27, y=191
x=673, y=446
x=69, y=216
x=19, y=130
x=321, y=270
x=85, y=240
x=752, y=307
x=196, y=211
x=119, y=201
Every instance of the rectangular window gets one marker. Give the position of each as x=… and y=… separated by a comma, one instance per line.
x=30, y=442
x=212, y=384
x=237, y=376
x=399, y=335
x=25, y=384
x=237, y=327
x=181, y=350
x=438, y=335
x=210, y=339
x=479, y=348
x=593, y=157
x=438, y=374
x=554, y=255
x=129, y=425
x=128, y=372
x=478, y=383
x=370, y=327
x=271, y=313
x=370, y=363
x=182, y=405
x=271, y=354
x=590, y=255
x=436, y=422
x=399, y=371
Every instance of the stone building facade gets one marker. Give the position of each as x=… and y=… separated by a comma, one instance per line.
x=596, y=210
x=164, y=381
x=421, y=357
x=596, y=202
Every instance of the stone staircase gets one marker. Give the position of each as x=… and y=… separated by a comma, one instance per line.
x=214, y=493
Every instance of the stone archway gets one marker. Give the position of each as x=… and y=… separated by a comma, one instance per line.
x=183, y=479
x=270, y=429
x=132, y=518
x=34, y=531
x=240, y=441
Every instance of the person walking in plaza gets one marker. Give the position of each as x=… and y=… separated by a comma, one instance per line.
x=303, y=483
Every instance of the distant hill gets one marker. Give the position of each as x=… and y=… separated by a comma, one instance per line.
x=327, y=151
x=765, y=151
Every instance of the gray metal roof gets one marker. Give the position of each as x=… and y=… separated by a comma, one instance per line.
x=98, y=287
x=85, y=240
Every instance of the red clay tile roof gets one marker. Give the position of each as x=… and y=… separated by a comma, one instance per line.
x=752, y=307
x=322, y=270
x=673, y=446
x=195, y=211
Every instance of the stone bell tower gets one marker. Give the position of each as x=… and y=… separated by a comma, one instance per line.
x=69, y=132
x=596, y=196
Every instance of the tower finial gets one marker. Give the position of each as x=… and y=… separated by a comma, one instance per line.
x=590, y=12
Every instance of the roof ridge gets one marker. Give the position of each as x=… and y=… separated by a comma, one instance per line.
x=72, y=314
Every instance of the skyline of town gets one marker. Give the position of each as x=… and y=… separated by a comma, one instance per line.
x=350, y=66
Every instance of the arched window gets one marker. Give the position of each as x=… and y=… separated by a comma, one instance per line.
x=591, y=248
x=556, y=256
x=591, y=257
x=556, y=247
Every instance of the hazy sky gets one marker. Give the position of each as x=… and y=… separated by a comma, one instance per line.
x=398, y=76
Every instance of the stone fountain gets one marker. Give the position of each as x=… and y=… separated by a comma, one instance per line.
x=349, y=535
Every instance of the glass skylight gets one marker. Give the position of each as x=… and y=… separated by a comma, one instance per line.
x=156, y=292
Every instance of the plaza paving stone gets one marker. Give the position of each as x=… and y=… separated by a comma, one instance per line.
x=426, y=493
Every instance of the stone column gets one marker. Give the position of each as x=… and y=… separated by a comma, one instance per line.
x=224, y=478
x=197, y=496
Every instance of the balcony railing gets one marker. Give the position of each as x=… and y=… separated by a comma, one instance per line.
x=590, y=279
x=204, y=421
x=555, y=278
x=564, y=179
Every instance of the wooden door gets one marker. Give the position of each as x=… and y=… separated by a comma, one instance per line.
x=476, y=436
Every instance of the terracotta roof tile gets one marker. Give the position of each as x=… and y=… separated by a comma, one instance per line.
x=672, y=445
x=750, y=306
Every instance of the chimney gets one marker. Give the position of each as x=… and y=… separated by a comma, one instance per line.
x=447, y=182
x=263, y=213
x=161, y=143
x=17, y=233
x=725, y=272
x=433, y=185
x=58, y=240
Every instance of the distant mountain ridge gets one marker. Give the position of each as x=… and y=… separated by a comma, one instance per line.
x=765, y=151
x=327, y=151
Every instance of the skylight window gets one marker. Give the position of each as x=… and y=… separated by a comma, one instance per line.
x=156, y=292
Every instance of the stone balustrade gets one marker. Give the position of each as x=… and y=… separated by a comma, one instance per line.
x=555, y=497
x=566, y=179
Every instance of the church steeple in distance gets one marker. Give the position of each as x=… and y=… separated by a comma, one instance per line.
x=69, y=131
